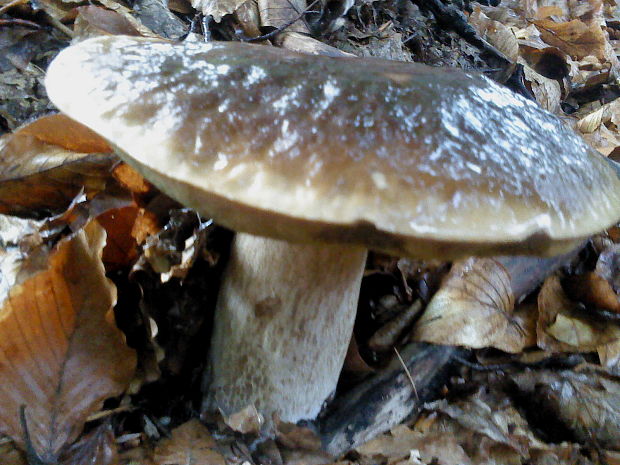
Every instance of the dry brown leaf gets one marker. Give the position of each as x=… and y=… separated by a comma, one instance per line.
x=126, y=228
x=45, y=164
x=593, y=290
x=217, y=8
x=608, y=114
x=547, y=91
x=562, y=328
x=246, y=421
x=127, y=13
x=95, y=21
x=576, y=38
x=473, y=308
x=10, y=455
x=496, y=33
x=98, y=447
x=279, y=13
x=60, y=352
x=191, y=443
x=403, y=443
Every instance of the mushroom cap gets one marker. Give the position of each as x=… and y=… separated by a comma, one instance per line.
x=399, y=157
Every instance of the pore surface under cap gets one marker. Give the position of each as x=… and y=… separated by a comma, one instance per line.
x=396, y=156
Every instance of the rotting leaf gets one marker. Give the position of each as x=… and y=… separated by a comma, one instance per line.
x=60, y=352
x=474, y=308
x=587, y=403
x=190, y=443
x=44, y=165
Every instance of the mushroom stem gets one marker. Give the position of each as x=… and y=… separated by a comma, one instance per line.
x=282, y=326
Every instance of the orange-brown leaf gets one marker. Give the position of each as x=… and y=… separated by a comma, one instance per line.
x=46, y=164
x=61, y=355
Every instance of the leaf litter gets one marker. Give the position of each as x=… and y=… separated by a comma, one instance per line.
x=567, y=51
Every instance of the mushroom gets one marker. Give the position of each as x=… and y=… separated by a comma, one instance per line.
x=314, y=160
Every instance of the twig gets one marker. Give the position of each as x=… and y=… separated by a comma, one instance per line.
x=61, y=27
x=402, y=362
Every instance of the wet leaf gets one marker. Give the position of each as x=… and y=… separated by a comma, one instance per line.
x=60, y=353
x=474, y=308
x=191, y=443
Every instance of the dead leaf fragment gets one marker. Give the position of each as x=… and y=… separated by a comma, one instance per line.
x=191, y=443
x=246, y=421
x=473, y=308
x=61, y=355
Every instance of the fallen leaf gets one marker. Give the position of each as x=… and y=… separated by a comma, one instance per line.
x=473, y=308
x=577, y=38
x=10, y=455
x=94, y=21
x=98, y=447
x=547, y=91
x=60, y=353
x=46, y=164
x=216, y=8
x=401, y=442
x=191, y=443
x=496, y=33
x=564, y=327
x=588, y=404
x=246, y=421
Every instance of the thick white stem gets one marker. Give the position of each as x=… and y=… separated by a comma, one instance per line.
x=283, y=322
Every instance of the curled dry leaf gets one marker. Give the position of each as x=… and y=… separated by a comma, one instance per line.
x=46, y=164
x=61, y=355
x=562, y=327
x=473, y=308
x=588, y=404
x=547, y=91
x=190, y=443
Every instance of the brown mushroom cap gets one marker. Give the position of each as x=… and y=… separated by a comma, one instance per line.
x=399, y=157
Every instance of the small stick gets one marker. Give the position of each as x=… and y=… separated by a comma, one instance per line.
x=402, y=362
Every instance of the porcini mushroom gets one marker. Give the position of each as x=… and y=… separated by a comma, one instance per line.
x=314, y=160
